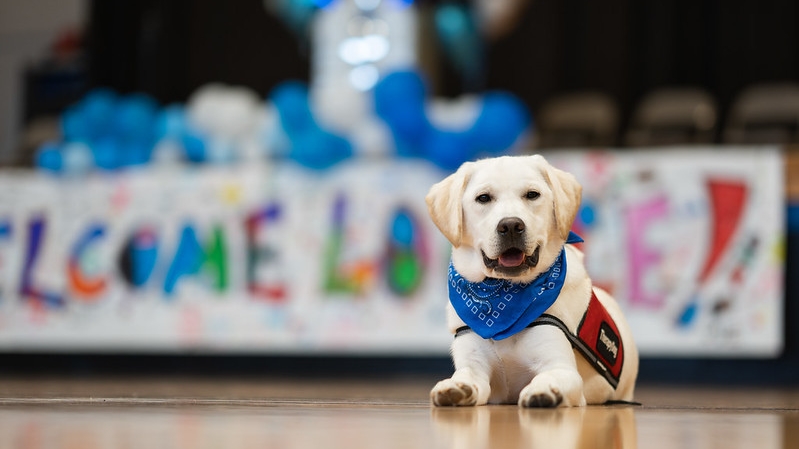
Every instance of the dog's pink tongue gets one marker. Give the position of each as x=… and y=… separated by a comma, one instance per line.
x=511, y=258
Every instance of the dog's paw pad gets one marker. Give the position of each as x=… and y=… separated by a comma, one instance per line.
x=552, y=398
x=453, y=394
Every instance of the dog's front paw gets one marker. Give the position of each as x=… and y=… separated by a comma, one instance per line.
x=557, y=388
x=452, y=393
x=550, y=397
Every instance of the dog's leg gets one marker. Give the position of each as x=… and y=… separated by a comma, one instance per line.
x=470, y=383
x=556, y=383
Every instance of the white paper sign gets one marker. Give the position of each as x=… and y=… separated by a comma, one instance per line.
x=278, y=259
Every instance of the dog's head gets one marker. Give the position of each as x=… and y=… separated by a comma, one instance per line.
x=506, y=217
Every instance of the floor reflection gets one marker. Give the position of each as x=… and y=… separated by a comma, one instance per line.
x=713, y=429
x=614, y=427
x=512, y=427
x=288, y=425
x=278, y=427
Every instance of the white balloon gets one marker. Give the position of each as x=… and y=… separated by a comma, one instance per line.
x=372, y=138
x=77, y=159
x=454, y=115
x=224, y=111
x=168, y=152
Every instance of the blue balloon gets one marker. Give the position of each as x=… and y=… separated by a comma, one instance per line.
x=310, y=145
x=49, y=158
x=291, y=100
x=400, y=101
x=502, y=120
x=98, y=108
x=74, y=126
x=319, y=150
x=134, y=119
x=170, y=122
x=448, y=150
x=106, y=153
x=194, y=145
x=134, y=153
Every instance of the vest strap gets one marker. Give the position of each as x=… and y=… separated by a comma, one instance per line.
x=597, y=339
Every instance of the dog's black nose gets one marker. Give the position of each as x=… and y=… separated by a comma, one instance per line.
x=510, y=225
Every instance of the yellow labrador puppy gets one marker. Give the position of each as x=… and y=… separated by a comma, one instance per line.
x=529, y=326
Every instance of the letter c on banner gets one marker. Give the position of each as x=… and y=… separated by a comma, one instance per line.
x=85, y=287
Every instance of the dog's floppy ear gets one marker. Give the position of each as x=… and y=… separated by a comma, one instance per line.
x=567, y=194
x=444, y=203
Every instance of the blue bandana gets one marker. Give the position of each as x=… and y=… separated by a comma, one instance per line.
x=499, y=308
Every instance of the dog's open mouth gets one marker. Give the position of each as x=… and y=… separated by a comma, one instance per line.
x=513, y=258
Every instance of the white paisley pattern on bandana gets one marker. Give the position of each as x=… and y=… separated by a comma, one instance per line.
x=499, y=308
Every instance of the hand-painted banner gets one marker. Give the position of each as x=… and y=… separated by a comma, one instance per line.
x=280, y=259
x=269, y=259
x=691, y=242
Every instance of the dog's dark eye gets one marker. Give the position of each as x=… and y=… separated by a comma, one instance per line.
x=484, y=198
x=531, y=195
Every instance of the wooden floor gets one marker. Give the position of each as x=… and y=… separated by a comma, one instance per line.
x=284, y=414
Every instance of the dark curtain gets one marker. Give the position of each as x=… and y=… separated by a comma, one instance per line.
x=169, y=48
x=622, y=47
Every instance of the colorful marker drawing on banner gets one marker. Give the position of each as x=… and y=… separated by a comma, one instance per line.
x=289, y=260
x=727, y=201
x=698, y=234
